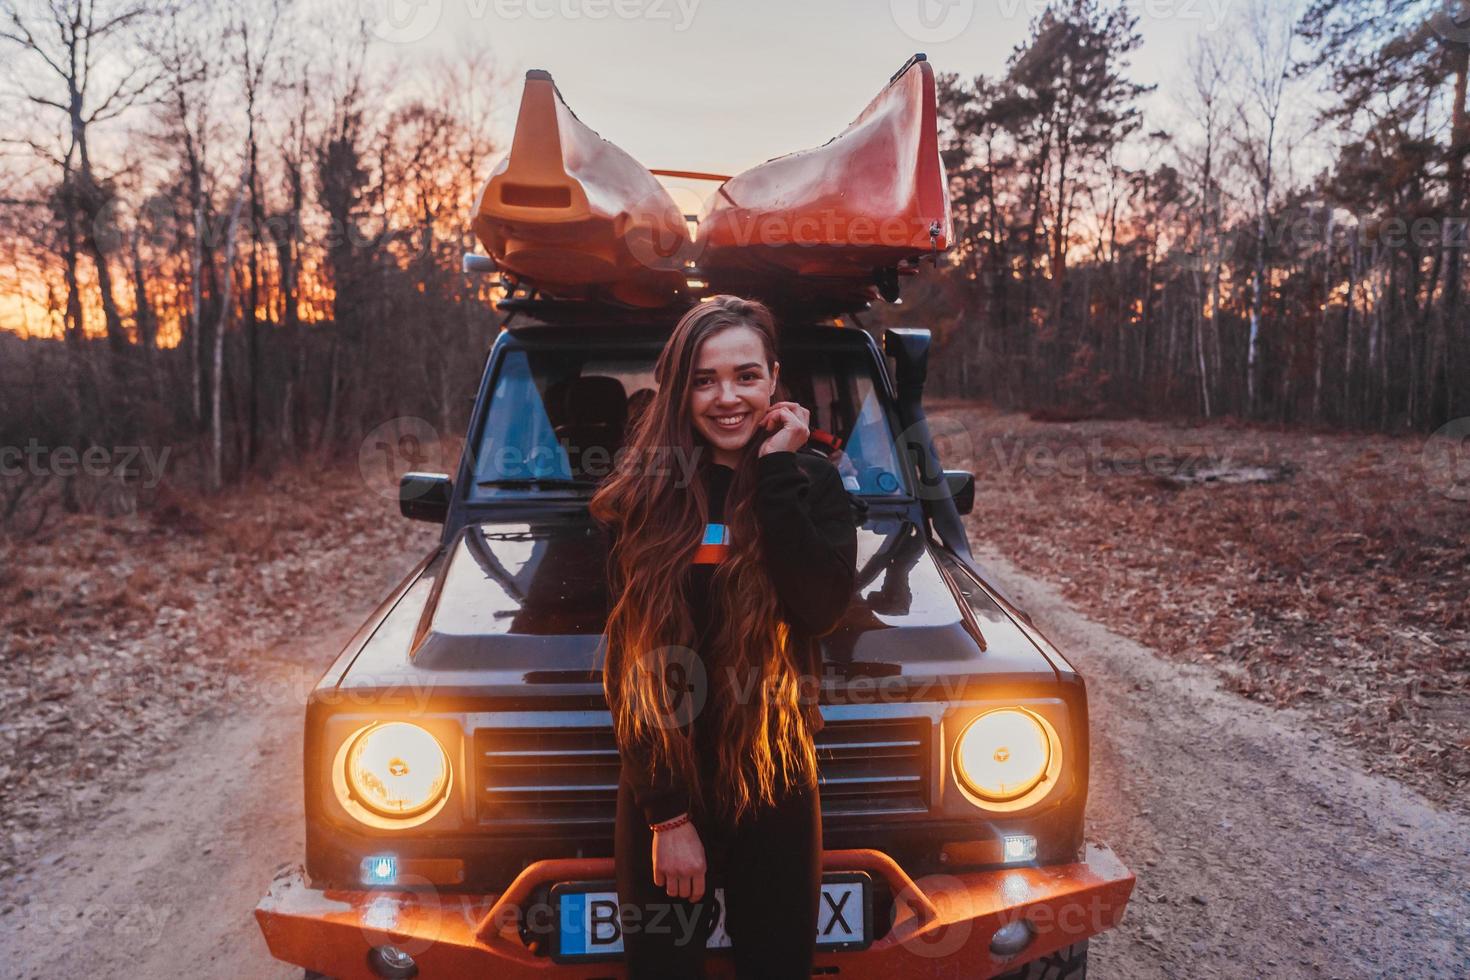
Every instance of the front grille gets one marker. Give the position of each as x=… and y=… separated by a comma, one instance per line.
x=873, y=766
x=569, y=776
x=546, y=775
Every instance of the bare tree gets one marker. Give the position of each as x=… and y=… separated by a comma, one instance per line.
x=189, y=88
x=1267, y=58
x=1210, y=78
x=217, y=366
x=91, y=69
x=255, y=41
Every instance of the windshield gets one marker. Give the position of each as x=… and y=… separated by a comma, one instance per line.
x=557, y=418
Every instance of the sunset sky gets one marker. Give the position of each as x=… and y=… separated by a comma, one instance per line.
x=706, y=85
x=719, y=85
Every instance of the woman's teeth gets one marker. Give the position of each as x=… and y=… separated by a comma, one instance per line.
x=730, y=421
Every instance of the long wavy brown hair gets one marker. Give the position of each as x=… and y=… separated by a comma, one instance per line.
x=763, y=744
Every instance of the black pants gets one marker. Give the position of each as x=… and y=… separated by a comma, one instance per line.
x=770, y=866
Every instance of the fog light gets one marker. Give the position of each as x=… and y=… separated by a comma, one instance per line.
x=392, y=963
x=383, y=869
x=1011, y=938
x=1020, y=848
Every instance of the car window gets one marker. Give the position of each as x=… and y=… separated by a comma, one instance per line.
x=557, y=418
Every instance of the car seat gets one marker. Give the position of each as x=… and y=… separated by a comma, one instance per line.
x=596, y=412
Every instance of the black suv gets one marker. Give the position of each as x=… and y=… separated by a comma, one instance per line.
x=461, y=771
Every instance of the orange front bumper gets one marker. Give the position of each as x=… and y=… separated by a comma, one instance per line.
x=943, y=924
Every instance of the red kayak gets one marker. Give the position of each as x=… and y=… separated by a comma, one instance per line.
x=571, y=214
x=836, y=225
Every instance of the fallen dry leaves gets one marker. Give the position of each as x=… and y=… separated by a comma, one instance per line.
x=1332, y=578
x=115, y=633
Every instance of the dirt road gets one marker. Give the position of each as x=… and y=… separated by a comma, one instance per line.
x=1261, y=848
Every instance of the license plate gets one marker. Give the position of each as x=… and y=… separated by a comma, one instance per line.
x=588, y=926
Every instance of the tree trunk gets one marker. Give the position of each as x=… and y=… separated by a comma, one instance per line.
x=142, y=308
x=1450, y=330
x=216, y=422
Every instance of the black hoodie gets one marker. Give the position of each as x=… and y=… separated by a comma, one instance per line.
x=808, y=531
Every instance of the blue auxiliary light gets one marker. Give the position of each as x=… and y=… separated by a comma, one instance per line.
x=381, y=869
x=1021, y=847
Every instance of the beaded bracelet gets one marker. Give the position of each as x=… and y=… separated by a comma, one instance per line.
x=670, y=824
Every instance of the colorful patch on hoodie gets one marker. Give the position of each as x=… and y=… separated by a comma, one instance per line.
x=714, y=547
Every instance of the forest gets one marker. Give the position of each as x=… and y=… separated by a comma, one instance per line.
x=235, y=232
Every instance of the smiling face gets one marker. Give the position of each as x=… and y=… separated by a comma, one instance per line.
x=730, y=390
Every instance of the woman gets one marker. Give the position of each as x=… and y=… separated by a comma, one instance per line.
x=722, y=582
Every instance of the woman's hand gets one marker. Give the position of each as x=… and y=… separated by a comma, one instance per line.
x=678, y=862
x=790, y=423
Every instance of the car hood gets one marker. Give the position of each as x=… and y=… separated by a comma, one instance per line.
x=512, y=604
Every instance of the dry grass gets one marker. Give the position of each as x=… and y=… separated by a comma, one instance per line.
x=117, y=632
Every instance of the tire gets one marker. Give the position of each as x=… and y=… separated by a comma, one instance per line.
x=1067, y=963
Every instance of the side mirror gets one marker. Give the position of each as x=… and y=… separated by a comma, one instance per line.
x=961, y=485
x=909, y=348
x=425, y=496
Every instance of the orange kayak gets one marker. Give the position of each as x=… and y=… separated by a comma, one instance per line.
x=572, y=214
x=834, y=226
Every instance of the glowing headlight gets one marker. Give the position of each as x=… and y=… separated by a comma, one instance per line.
x=1003, y=754
x=397, y=769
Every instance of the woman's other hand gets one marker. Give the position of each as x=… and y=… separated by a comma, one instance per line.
x=790, y=423
x=678, y=862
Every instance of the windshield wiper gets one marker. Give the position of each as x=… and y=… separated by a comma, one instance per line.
x=536, y=483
